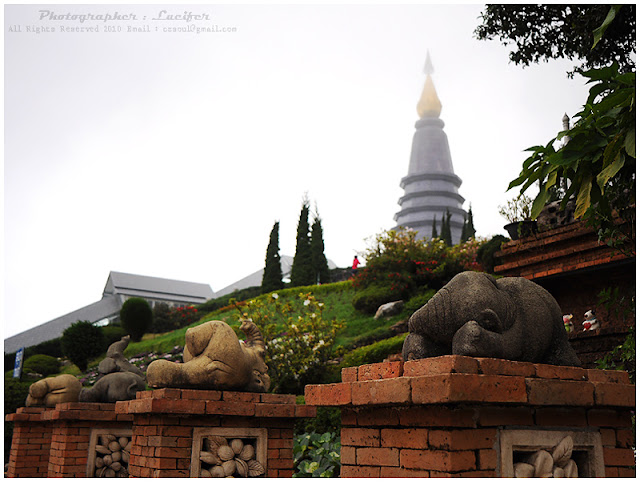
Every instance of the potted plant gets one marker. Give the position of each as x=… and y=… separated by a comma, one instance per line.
x=518, y=212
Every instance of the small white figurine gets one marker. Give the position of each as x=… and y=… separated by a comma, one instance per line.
x=590, y=322
x=568, y=323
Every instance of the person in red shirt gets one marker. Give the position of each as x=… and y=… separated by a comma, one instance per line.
x=354, y=266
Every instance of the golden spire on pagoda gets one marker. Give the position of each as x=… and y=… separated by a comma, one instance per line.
x=429, y=105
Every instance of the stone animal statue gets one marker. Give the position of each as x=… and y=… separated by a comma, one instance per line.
x=215, y=359
x=590, y=322
x=113, y=387
x=115, y=360
x=50, y=391
x=476, y=315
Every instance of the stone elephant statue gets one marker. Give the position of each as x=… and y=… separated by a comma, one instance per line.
x=477, y=315
x=113, y=387
x=215, y=359
x=50, y=391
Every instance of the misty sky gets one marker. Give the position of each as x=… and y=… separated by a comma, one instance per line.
x=171, y=154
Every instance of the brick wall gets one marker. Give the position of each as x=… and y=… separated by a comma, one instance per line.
x=165, y=419
x=440, y=416
x=30, y=445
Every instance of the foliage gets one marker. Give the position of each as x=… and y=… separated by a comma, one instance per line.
x=434, y=228
x=81, y=342
x=136, y=317
x=543, y=32
x=369, y=299
x=445, y=235
x=299, y=340
x=622, y=357
x=517, y=209
x=162, y=319
x=15, y=394
x=43, y=364
x=327, y=419
x=418, y=301
x=598, y=160
x=272, y=276
x=402, y=265
x=616, y=303
x=373, y=353
x=49, y=347
x=486, y=252
x=316, y=455
x=302, y=268
x=318, y=259
x=112, y=333
x=468, y=230
x=222, y=301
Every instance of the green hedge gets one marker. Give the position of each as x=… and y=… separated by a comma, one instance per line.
x=372, y=297
x=43, y=364
x=375, y=352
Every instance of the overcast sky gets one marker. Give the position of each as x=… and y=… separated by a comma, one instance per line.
x=171, y=153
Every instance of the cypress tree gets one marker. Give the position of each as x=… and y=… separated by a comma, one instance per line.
x=272, y=276
x=468, y=231
x=446, y=228
x=302, y=268
x=318, y=259
x=434, y=228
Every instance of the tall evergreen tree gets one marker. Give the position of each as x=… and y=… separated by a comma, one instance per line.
x=302, y=269
x=434, y=228
x=318, y=259
x=468, y=231
x=446, y=228
x=272, y=276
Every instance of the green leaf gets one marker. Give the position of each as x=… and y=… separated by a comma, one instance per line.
x=599, y=32
x=584, y=197
x=610, y=171
x=539, y=202
x=630, y=142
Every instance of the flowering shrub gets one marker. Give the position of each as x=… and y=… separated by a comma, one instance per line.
x=167, y=319
x=298, y=340
x=398, y=265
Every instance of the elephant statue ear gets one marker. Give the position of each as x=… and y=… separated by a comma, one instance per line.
x=489, y=320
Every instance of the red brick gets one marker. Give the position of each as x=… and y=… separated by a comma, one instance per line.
x=629, y=472
x=476, y=473
x=350, y=374
x=378, y=416
x=608, y=376
x=618, y=457
x=625, y=438
x=436, y=417
x=240, y=397
x=415, y=438
x=462, y=439
x=356, y=471
x=161, y=463
x=361, y=437
x=174, y=393
x=175, y=431
x=280, y=443
x=440, y=365
x=486, y=459
x=460, y=387
x=305, y=411
x=275, y=410
x=169, y=452
x=331, y=394
x=386, y=456
x=286, y=454
x=438, y=460
x=224, y=408
x=615, y=394
x=285, y=473
x=608, y=436
x=377, y=371
x=280, y=464
x=277, y=398
x=348, y=455
x=494, y=366
x=349, y=417
x=559, y=392
x=178, y=406
x=373, y=392
x=569, y=417
x=273, y=453
x=212, y=395
x=160, y=473
x=609, y=418
x=563, y=373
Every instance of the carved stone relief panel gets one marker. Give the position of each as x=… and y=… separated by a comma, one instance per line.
x=109, y=451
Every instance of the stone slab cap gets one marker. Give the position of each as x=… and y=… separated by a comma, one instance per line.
x=215, y=402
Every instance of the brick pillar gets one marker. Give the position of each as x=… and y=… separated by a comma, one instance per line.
x=452, y=415
x=29, y=456
x=166, y=422
x=71, y=426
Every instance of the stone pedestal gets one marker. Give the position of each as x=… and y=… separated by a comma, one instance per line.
x=169, y=426
x=29, y=456
x=72, y=425
x=462, y=416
